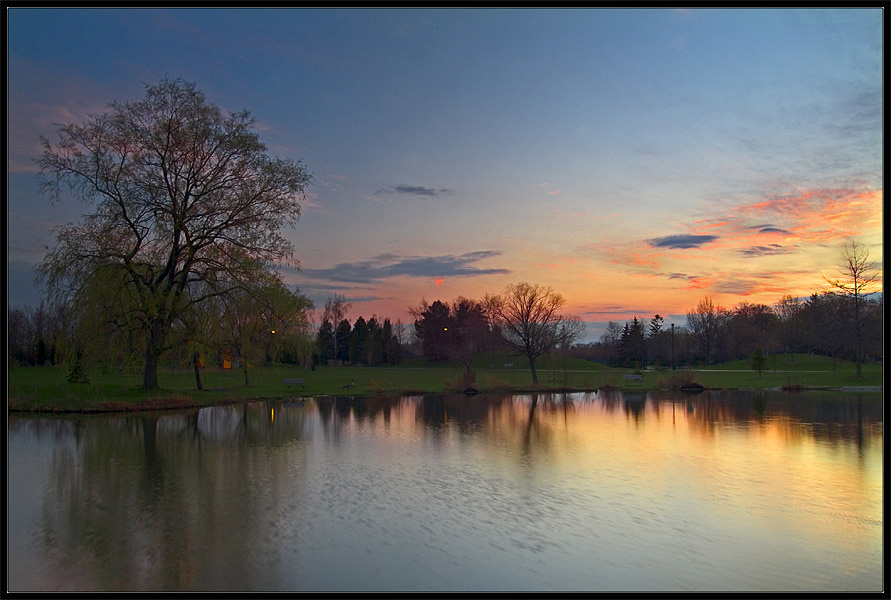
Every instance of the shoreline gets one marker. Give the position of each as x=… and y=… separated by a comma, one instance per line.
x=179, y=403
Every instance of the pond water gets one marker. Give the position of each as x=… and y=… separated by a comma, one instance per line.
x=724, y=491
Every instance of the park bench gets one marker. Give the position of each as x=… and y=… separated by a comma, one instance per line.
x=634, y=377
x=295, y=381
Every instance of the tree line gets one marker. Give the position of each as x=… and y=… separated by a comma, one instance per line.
x=268, y=324
x=372, y=342
x=844, y=322
x=823, y=323
x=180, y=258
x=525, y=318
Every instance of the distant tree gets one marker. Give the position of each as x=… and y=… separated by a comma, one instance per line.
x=860, y=277
x=468, y=335
x=705, y=326
x=432, y=323
x=632, y=347
x=571, y=331
x=342, y=334
x=325, y=342
x=184, y=193
x=289, y=318
x=751, y=325
x=625, y=351
x=788, y=311
x=391, y=344
x=636, y=348
x=758, y=360
x=873, y=315
x=254, y=318
x=27, y=327
x=824, y=318
x=336, y=309
x=17, y=334
x=530, y=320
x=41, y=352
x=611, y=340
x=655, y=326
x=374, y=350
x=358, y=341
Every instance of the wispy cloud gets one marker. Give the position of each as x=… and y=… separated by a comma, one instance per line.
x=414, y=190
x=385, y=266
x=769, y=250
x=681, y=241
x=681, y=276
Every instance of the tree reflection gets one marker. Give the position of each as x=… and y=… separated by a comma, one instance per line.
x=163, y=501
x=136, y=502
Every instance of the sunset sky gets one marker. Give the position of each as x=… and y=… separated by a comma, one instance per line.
x=634, y=160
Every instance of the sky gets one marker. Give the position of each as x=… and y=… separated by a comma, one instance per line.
x=634, y=160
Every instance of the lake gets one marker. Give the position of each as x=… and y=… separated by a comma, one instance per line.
x=609, y=491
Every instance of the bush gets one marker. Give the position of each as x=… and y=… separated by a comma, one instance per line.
x=678, y=380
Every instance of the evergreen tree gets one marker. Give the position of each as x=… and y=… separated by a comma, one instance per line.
x=386, y=341
x=358, y=341
x=325, y=342
x=637, y=343
x=374, y=347
x=343, y=333
x=432, y=324
x=625, y=351
x=655, y=326
x=758, y=360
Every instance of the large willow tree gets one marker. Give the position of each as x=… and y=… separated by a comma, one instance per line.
x=184, y=194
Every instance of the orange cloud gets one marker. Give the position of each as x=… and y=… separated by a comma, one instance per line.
x=823, y=215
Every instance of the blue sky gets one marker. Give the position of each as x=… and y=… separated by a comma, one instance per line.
x=634, y=160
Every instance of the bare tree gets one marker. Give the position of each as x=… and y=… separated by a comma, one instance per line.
x=610, y=339
x=571, y=331
x=468, y=334
x=183, y=193
x=705, y=324
x=530, y=321
x=860, y=278
x=788, y=310
x=336, y=309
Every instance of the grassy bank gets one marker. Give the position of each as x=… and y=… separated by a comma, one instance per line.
x=46, y=388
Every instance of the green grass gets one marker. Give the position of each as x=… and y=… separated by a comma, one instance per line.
x=806, y=371
x=46, y=388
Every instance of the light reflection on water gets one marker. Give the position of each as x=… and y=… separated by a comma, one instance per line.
x=598, y=492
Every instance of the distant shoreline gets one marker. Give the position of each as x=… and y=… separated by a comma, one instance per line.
x=174, y=403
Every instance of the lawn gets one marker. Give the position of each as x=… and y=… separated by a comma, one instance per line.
x=46, y=388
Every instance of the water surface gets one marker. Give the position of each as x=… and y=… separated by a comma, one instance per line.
x=731, y=491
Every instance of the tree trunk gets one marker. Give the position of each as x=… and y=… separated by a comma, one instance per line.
x=196, y=366
x=244, y=368
x=534, y=373
x=150, y=374
x=153, y=346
